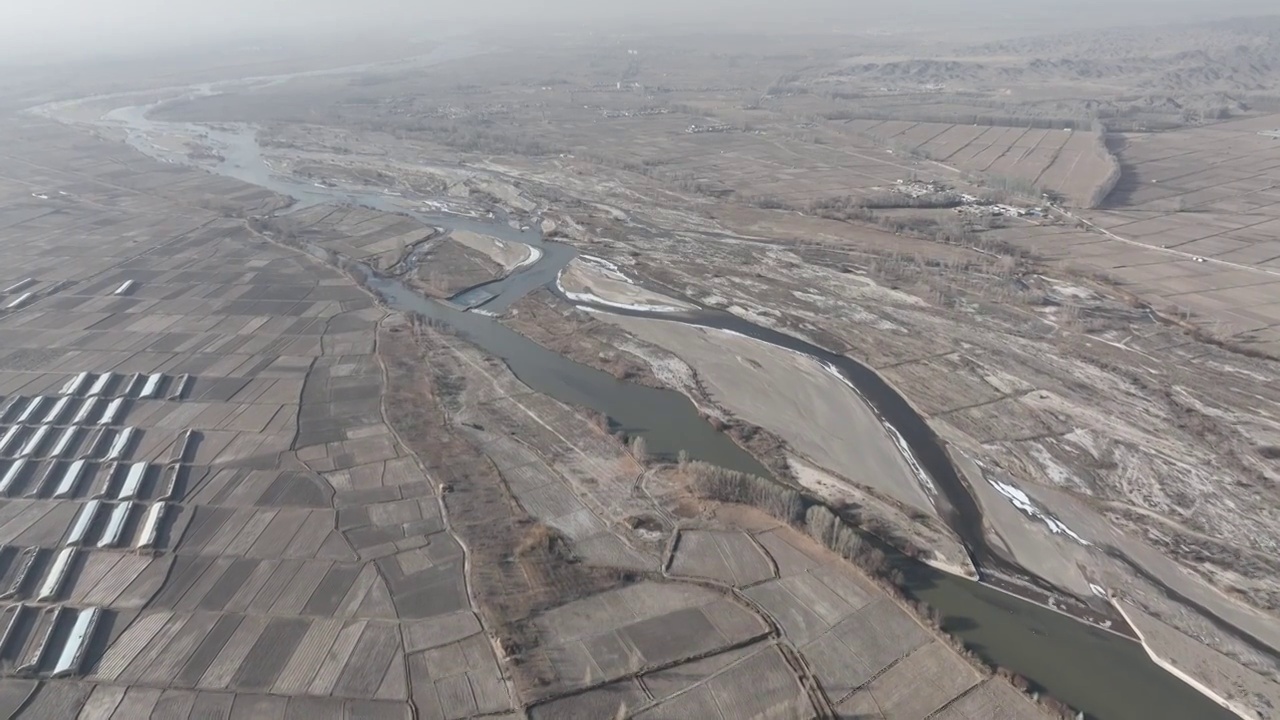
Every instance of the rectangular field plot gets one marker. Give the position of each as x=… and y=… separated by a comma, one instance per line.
x=1071, y=163
x=622, y=631
x=250, y=653
x=922, y=682
x=731, y=558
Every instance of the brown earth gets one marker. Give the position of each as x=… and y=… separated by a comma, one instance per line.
x=448, y=267
x=580, y=336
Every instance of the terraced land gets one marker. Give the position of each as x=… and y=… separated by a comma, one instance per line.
x=1191, y=227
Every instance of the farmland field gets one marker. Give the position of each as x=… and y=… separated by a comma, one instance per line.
x=1072, y=164
x=646, y=373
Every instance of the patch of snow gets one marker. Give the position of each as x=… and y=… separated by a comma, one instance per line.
x=1185, y=395
x=535, y=254
x=760, y=316
x=1067, y=289
x=917, y=469
x=871, y=290
x=1237, y=371
x=818, y=300
x=1083, y=438
x=1023, y=502
x=597, y=300
x=1057, y=474
x=447, y=209
x=606, y=268
x=671, y=370
x=1006, y=383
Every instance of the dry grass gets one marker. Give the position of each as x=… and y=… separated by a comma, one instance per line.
x=541, y=540
x=579, y=336
x=518, y=567
x=449, y=267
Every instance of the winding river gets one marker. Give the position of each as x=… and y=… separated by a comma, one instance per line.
x=1106, y=676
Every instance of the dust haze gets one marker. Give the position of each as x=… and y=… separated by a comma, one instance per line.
x=552, y=359
x=72, y=29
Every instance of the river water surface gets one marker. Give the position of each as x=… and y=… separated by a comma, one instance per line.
x=1105, y=675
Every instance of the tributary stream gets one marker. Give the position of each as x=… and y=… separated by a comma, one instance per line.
x=1105, y=675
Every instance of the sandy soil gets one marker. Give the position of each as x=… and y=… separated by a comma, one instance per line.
x=1220, y=677
x=509, y=255
x=449, y=267
x=585, y=338
x=1023, y=538
x=946, y=552
x=795, y=397
x=591, y=279
x=1132, y=435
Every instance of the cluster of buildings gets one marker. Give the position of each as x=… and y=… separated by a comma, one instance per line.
x=996, y=210
x=709, y=128
x=637, y=113
x=917, y=188
x=965, y=204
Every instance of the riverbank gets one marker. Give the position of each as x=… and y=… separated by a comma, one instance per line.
x=508, y=255
x=580, y=388
x=597, y=281
x=922, y=584
x=1170, y=667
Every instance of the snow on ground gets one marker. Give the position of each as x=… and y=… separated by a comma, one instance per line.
x=765, y=317
x=922, y=476
x=673, y=372
x=1023, y=502
x=446, y=208
x=871, y=290
x=606, y=268
x=535, y=254
x=610, y=273
x=1083, y=438
x=848, y=311
x=1057, y=473
x=1068, y=290
x=597, y=300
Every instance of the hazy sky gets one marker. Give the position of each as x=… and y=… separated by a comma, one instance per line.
x=44, y=26
x=40, y=28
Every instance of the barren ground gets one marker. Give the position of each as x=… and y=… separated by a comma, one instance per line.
x=1098, y=430
x=1099, y=363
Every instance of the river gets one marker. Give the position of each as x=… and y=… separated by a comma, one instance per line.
x=1106, y=676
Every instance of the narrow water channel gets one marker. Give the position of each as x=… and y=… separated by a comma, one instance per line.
x=1102, y=674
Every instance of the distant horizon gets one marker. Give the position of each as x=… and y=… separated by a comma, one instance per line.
x=73, y=30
